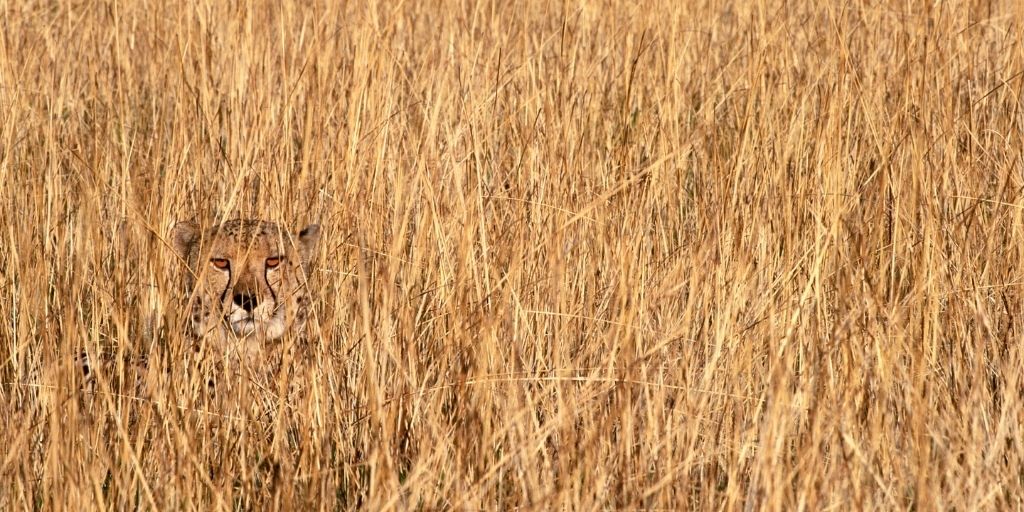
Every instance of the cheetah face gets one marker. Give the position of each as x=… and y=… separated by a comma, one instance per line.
x=247, y=278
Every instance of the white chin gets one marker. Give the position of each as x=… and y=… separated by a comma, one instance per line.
x=243, y=327
x=269, y=330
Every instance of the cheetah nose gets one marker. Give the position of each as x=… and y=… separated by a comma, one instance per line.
x=245, y=301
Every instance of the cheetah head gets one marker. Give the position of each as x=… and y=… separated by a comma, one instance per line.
x=247, y=278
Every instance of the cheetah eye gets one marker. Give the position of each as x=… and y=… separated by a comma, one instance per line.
x=220, y=263
x=273, y=262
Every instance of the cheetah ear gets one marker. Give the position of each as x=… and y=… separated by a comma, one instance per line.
x=183, y=236
x=308, y=239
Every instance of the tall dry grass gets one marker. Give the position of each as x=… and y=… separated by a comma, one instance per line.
x=579, y=255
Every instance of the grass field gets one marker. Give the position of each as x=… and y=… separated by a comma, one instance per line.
x=575, y=256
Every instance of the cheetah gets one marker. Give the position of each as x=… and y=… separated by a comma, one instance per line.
x=247, y=279
x=245, y=283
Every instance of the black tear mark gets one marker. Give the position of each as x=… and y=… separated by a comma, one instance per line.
x=227, y=287
x=266, y=279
